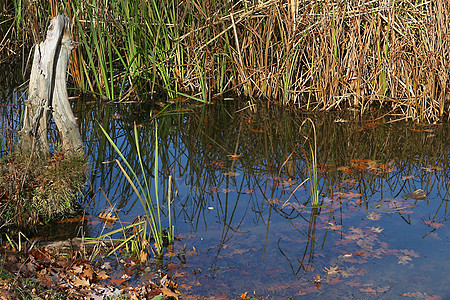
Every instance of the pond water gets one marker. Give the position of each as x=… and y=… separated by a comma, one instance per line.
x=242, y=215
x=241, y=202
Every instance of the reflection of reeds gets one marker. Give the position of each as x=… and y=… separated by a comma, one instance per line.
x=318, y=55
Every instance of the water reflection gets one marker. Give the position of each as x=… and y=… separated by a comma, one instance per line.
x=241, y=211
x=245, y=217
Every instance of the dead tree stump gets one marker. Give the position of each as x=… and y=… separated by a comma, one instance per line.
x=47, y=93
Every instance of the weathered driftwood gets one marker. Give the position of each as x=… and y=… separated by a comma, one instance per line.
x=47, y=92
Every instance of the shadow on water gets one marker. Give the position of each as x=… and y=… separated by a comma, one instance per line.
x=242, y=215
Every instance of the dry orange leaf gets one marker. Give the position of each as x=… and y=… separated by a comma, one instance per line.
x=80, y=282
x=102, y=275
x=107, y=216
x=169, y=293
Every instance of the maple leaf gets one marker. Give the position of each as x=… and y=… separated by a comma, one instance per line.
x=332, y=270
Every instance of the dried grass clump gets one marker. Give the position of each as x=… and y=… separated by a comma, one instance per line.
x=35, y=190
x=318, y=55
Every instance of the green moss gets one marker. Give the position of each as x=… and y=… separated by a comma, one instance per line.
x=35, y=190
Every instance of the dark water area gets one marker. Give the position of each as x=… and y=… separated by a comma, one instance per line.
x=242, y=217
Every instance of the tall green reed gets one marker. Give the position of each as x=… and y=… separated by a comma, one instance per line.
x=311, y=161
x=141, y=188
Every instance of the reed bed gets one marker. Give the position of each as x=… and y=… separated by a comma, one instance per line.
x=317, y=55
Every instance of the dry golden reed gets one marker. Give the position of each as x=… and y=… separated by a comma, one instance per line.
x=318, y=55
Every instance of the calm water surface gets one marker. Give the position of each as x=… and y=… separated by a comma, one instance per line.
x=241, y=202
x=246, y=225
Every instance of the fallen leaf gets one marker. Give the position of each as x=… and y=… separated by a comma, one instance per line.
x=376, y=229
x=407, y=177
x=317, y=279
x=403, y=259
x=143, y=256
x=80, y=282
x=118, y=281
x=102, y=275
x=332, y=270
x=373, y=216
x=168, y=293
x=88, y=272
x=368, y=290
x=243, y=296
x=436, y=225
x=107, y=217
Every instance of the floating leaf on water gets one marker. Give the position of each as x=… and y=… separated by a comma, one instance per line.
x=436, y=225
x=373, y=216
x=332, y=270
x=376, y=229
x=407, y=177
x=417, y=195
x=403, y=259
x=107, y=217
